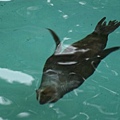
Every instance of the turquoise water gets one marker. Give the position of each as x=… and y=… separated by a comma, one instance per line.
x=25, y=44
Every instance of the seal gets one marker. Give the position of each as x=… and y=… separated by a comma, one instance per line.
x=67, y=69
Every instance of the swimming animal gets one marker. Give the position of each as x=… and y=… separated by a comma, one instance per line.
x=68, y=69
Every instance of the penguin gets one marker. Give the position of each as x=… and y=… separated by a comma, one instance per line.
x=66, y=70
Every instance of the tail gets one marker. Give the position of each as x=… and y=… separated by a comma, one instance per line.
x=105, y=29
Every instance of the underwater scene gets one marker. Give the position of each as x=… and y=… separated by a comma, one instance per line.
x=45, y=57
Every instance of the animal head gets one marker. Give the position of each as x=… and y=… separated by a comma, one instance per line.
x=48, y=94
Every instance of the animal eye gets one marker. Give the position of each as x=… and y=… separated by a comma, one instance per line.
x=51, y=73
x=43, y=93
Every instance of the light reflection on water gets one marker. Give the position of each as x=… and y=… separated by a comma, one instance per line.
x=5, y=0
x=23, y=114
x=2, y=118
x=5, y=101
x=16, y=76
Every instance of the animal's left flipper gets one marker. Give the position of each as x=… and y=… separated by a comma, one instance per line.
x=57, y=41
x=56, y=38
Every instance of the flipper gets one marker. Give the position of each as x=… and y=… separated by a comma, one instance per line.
x=96, y=60
x=105, y=29
x=106, y=52
x=57, y=41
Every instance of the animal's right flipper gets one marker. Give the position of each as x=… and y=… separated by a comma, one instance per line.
x=106, y=52
x=96, y=60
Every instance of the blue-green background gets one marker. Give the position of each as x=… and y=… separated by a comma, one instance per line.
x=25, y=44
